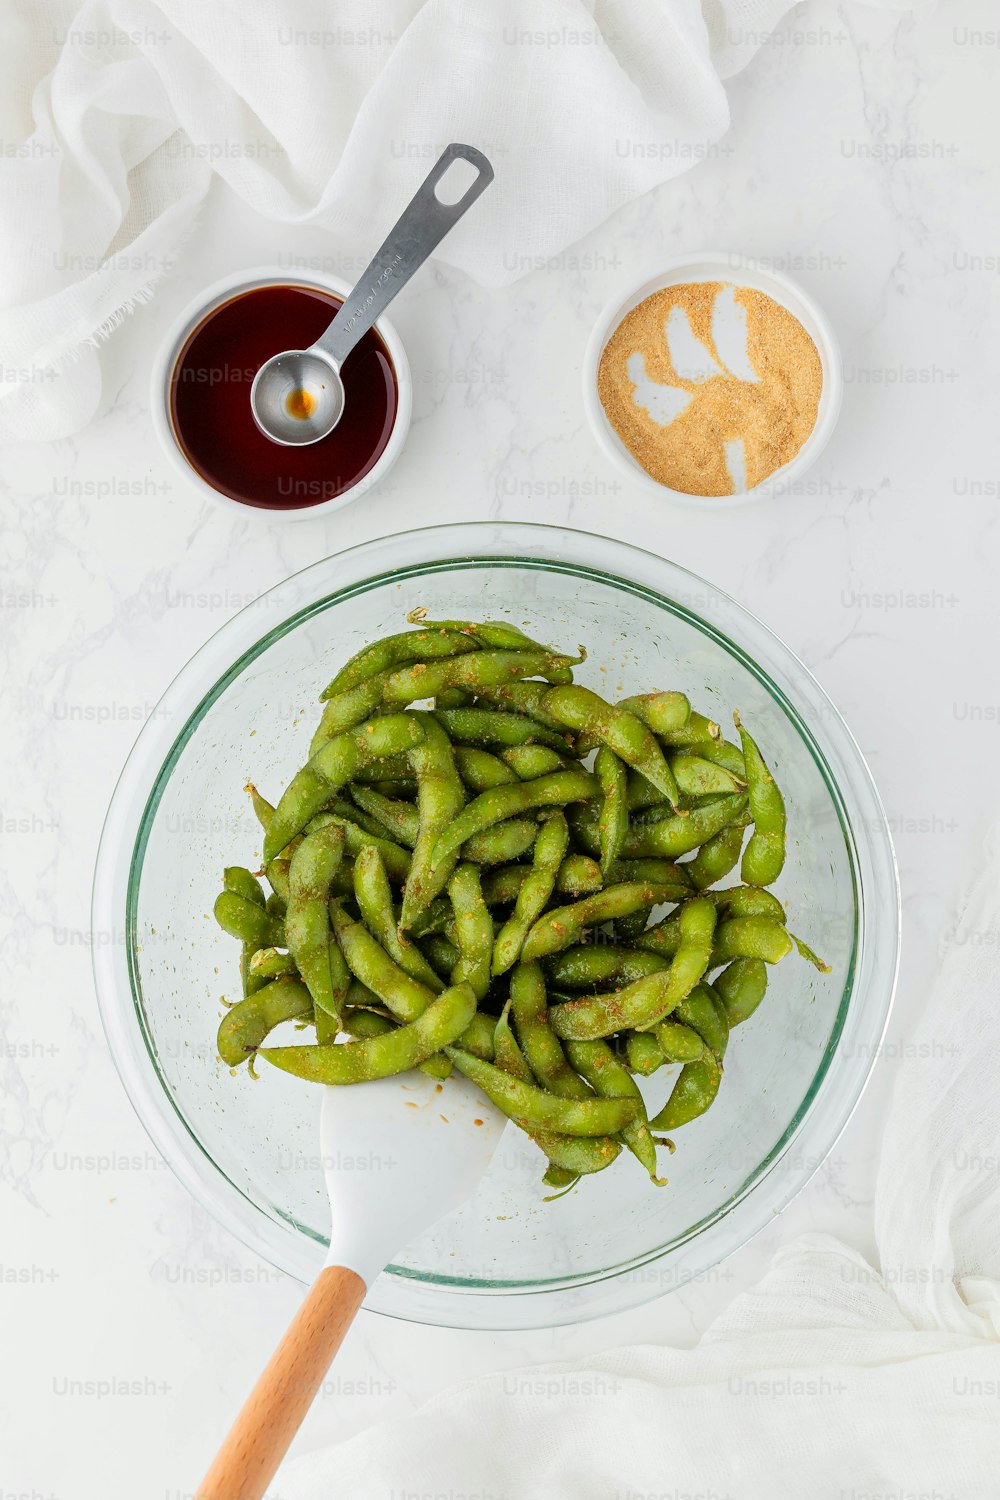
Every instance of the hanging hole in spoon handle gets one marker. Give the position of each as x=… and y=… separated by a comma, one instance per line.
x=415, y=235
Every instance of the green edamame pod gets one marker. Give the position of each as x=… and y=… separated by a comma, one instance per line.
x=696, y=732
x=611, y=1080
x=643, y=1052
x=500, y=634
x=249, y=981
x=587, y=713
x=454, y=698
x=748, y=901
x=717, y=855
x=641, y=794
x=441, y=953
x=550, y=848
x=503, y=634
x=487, y=726
x=542, y=1048
x=395, y=651
x=389, y=768
x=723, y=753
x=241, y=883
x=664, y=939
x=333, y=767
x=348, y=811
x=564, y=926
x=345, y=710
x=502, y=884
x=474, y=927
x=684, y=832
x=663, y=713
x=698, y=776
x=434, y=919
x=560, y=1178
x=661, y=872
x=612, y=820
x=750, y=937
x=576, y=1156
x=475, y=672
x=685, y=938
x=399, y=788
x=239, y=880
x=362, y=1024
x=481, y=770
x=593, y=1017
x=479, y=1036
x=307, y=922
x=676, y=1042
x=693, y=1093
x=741, y=986
x=368, y=961
x=397, y=1051
x=440, y=798
x=244, y=1027
x=586, y=1155
x=276, y=906
x=632, y=926
x=395, y=858
x=497, y=845
x=578, y=875
x=277, y=874
x=506, y=1052
x=271, y=963
x=263, y=811
x=527, y=762
x=696, y=924
x=374, y=897
x=764, y=855
x=658, y=711
x=704, y=1014
x=398, y=821
x=504, y=802
x=527, y=698
x=591, y=964
x=532, y=1106
x=247, y=921
x=640, y=1005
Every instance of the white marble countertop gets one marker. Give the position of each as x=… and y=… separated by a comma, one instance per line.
x=862, y=158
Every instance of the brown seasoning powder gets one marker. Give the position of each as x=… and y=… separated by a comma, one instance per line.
x=772, y=416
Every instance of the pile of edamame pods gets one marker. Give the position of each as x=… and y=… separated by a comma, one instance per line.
x=451, y=888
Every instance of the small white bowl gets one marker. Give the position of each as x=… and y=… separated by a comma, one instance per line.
x=183, y=327
x=739, y=270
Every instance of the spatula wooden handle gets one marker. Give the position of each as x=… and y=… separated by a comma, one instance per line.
x=272, y=1414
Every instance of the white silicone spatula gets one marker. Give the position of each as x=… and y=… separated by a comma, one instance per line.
x=426, y=1146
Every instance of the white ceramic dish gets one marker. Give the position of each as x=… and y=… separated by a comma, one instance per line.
x=719, y=265
x=177, y=336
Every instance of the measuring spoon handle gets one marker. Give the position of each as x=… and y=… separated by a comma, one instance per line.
x=421, y=227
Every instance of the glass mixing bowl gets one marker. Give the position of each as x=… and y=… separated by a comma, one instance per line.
x=244, y=708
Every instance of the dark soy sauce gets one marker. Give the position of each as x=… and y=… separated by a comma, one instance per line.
x=210, y=401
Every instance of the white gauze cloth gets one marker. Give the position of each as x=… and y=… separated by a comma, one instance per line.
x=115, y=114
x=832, y=1379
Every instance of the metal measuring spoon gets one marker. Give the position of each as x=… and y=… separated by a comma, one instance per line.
x=298, y=397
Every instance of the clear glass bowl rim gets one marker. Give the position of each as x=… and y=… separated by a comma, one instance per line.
x=827, y=1105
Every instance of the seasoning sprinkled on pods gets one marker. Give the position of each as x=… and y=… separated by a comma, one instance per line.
x=457, y=887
